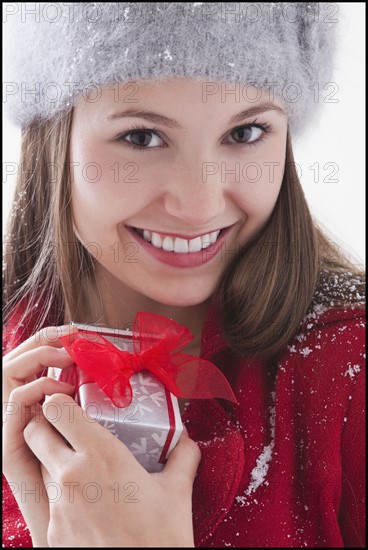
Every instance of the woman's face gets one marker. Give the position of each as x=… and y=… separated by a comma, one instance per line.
x=210, y=167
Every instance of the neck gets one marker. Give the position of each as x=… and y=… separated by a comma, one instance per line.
x=110, y=303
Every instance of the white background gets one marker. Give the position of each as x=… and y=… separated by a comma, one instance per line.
x=338, y=138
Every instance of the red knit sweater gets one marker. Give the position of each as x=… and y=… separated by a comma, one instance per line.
x=285, y=467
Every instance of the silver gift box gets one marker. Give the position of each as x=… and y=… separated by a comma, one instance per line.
x=151, y=426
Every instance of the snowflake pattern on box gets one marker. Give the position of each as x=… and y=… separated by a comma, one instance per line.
x=144, y=426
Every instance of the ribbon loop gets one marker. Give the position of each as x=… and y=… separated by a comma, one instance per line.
x=157, y=342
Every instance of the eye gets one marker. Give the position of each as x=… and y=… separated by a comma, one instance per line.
x=249, y=134
x=142, y=138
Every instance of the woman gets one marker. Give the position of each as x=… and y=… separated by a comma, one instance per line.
x=152, y=185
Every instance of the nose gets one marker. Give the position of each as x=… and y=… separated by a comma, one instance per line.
x=194, y=199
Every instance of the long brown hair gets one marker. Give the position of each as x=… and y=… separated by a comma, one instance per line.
x=262, y=296
x=291, y=270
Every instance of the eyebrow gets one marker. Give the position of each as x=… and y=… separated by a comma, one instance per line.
x=171, y=123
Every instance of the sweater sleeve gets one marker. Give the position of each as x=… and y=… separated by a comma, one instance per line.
x=352, y=510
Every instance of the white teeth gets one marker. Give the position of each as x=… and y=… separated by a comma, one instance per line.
x=168, y=244
x=156, y=240
x=146, y=234
x=214, y=235
x=177, y=244
x=195, y=245
x=181, y=245
x=205, y=240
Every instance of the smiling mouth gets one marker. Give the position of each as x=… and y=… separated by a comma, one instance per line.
x=180, y=245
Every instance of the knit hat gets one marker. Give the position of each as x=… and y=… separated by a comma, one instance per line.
x=57, y=51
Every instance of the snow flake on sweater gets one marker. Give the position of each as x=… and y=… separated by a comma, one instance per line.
x=259, y=472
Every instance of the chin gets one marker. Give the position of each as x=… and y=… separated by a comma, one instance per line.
x=180, y=299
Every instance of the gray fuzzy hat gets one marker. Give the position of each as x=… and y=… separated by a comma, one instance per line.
x=57, y=51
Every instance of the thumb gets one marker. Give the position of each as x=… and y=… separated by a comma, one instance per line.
x=184, y=459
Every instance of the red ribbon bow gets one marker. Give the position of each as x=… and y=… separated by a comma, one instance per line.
x=157, y=342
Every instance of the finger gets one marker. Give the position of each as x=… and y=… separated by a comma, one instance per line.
x=47, y=444
x=25, y=398
x=34, y=361
x=81, y=431
x=46, y=477
x=183, y=461
x=48, y=336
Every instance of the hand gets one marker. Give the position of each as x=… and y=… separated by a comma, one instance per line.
x=22, y=392
x=99, y=494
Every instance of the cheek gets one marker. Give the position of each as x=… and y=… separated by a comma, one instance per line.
x=259, y=185
x=105, y=188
